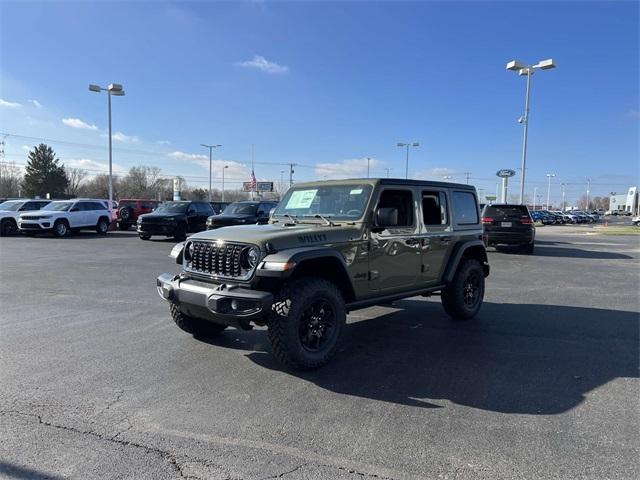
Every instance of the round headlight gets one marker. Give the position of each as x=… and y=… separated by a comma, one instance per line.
x=188, y=251
x=253, y=255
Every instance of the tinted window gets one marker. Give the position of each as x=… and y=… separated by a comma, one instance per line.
x=241, y=209
x=401, y=200
x=30, y=206
x=172, y=207
x=465, y=208
x=510, y=211
x=81, y=207
x=205, y=209
x=96, y=206
x=434, y=208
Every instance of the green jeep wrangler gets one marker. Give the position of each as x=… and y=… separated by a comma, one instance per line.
x=329, y=248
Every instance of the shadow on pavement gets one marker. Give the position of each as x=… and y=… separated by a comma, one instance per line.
x=11, y=470
x=547, y=251
x=531, y=359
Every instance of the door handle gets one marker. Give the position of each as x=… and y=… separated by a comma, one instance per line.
x=446, y=239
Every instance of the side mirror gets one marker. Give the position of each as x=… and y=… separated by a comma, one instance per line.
x=387, y=217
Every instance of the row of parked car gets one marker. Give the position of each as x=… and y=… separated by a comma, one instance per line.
x=555, y=217
x=150, y=217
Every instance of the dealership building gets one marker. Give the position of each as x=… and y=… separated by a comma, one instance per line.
x=626, y=202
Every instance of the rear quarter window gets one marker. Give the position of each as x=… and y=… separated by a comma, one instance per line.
x=465, y=208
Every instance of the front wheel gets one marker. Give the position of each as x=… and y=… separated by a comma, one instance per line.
x=462, y=298
x=306, y=322
x=195, y=326
x=7, y=228
x=60, y=228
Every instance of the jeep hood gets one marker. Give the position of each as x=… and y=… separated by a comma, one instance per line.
x=282, y=236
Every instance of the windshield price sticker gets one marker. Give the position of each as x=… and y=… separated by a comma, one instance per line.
x=355, y=191
x=301, y=199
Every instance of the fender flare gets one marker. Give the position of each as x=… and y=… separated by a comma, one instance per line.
x=298, y=256
x=458, y=253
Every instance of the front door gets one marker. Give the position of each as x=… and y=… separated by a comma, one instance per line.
x=394, y=249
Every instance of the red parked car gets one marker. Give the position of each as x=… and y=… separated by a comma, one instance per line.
x=129, y=209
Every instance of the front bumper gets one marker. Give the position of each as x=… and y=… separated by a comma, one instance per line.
x=35, y=225
x=219, y=303
x=167, y=229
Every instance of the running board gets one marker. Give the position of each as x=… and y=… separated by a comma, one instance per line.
x=370, y=302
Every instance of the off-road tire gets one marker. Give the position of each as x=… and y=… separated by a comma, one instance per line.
x=123, y=226
x=58, y=229
x=102, y=227
x=7, y=227
x=126, y=213
x=289, y=305
x=453, y=296
x=195, y=326
x=144, y=237
x=181, y=232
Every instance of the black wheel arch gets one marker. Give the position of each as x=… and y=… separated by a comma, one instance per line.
x=323, y=262
x=466, y=249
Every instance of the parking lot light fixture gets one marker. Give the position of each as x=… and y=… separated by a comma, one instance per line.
x=223, y=169
x=407, y=145
x=117, y=90
x=210, y=147
x=549, y=177
x=528, y=70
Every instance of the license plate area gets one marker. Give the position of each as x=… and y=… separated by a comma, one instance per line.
x=506, y=224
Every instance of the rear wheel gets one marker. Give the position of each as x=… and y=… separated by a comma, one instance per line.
x=123, y=226
x=60, y=228
x=145, y=237
x=103, y=226
x=181, y=232
x=7, y=227
x=195, y=326
x=306, y=323
x=462, y=298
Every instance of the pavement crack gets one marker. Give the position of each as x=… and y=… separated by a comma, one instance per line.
x=288, y=472
x=170, y=458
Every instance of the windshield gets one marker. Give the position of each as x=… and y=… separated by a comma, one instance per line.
x=346, y=202
x=59, y=206
x=172, y=207
x=11, y=206
x=241, y=209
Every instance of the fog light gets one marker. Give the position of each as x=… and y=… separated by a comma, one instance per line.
x=234, y=305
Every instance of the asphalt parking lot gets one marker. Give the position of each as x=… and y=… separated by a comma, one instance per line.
x=97, y=382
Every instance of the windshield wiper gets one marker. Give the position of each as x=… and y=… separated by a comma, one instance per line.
x=321, y=217
x=290, y=217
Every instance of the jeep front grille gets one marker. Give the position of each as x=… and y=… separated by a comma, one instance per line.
x=216, y=259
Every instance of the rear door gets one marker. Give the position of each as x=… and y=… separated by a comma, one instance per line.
x=435, y=234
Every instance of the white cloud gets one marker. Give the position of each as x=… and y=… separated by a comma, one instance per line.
x=92, y=166
x=121, y=137
x=6, y=103
x=35, y=103
x=436, y=173
x=260, y=63
x=163, y=142
x=26, y=148
x=77, y=123
x=354, y=167
x=235, y=171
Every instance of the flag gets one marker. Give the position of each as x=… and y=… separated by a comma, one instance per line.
x=254, y=183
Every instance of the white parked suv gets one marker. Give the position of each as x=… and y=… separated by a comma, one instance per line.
x=11, y=210
x=65, y=216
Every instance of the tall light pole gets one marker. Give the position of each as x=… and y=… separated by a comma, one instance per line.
x=407, y=145
x=563, y=194
x=527, y=70
x=588, y=192
x=388, y=169
x=223, y=169
x=549, y=177
x=116, y=90
x=368, y=166
x=210, y=147
x=535, y=194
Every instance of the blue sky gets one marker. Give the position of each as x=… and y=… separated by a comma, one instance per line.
x=325, y=85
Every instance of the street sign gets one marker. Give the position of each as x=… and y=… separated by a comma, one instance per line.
x=490, y=197
x=260, y=186
x=505, y=173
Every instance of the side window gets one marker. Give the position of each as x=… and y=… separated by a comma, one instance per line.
x=402, y=201
x=205, y=209
x=465, y=210
x=30, y=206
x=434, y=208
x=263, y=209
x=79, y=207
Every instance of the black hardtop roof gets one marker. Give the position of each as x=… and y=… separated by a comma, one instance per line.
x=388, y=181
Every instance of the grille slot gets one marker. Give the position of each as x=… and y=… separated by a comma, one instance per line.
x=220, y=260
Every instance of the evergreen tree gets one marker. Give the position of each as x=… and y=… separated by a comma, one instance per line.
x=44, y=174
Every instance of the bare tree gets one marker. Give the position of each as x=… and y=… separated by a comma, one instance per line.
x=75, y=177
x=98, y=187
x=10, y=180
